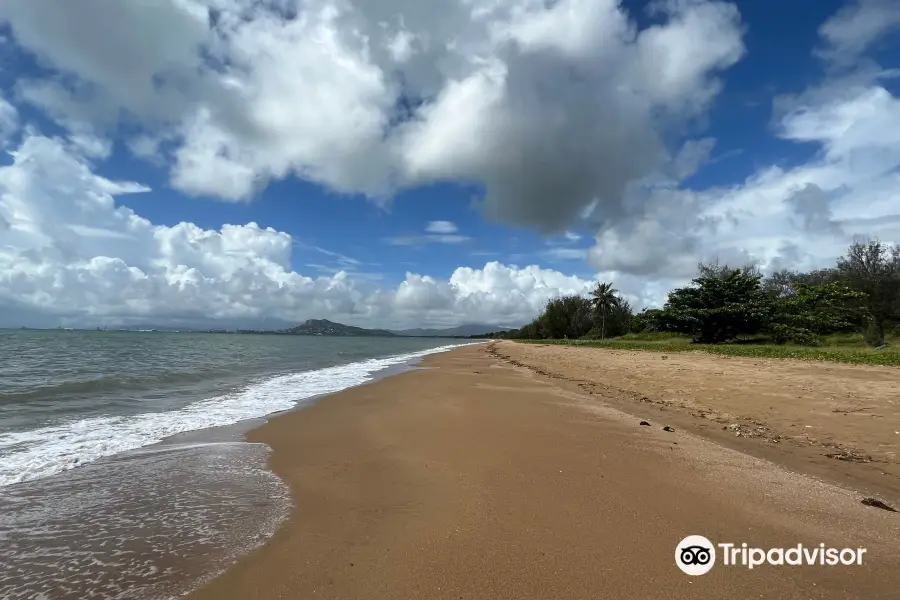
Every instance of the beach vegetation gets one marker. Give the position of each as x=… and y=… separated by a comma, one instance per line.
x=849, y=312
x=604, y=300
x=720, y=305
x=859, y=353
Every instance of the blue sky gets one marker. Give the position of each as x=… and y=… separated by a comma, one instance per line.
x=554, y=144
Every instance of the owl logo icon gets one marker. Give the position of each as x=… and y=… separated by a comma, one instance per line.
x=695, y=555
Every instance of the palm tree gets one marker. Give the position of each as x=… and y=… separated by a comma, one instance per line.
x=604, y=299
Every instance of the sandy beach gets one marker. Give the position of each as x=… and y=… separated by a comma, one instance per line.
x=505, y=471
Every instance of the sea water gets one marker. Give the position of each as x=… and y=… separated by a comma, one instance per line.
x=123, y=472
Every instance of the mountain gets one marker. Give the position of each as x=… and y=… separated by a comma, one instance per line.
x=461, y=331
x=324, y=327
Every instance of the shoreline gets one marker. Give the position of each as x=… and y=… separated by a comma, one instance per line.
x=477, y=479
x=156, y=502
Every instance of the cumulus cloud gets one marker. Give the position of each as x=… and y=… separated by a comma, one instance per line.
x=814, y=209
x=70, y=253
x=552, y=107
x=497, y=293
x=565, y=113
x=801, y=216
x=854, y=126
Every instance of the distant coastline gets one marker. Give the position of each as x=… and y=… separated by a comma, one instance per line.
x=311, y=327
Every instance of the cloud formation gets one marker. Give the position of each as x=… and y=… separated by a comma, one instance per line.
x=441, y=227
x=550, y=106
x=855, y=27
x=565, y=113
x=436, y=232
x=801, y=216
x=69, y=254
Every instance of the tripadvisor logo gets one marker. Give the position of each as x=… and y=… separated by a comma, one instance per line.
x=696, y=555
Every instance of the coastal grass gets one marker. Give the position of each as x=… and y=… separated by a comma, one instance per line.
x=848, y=348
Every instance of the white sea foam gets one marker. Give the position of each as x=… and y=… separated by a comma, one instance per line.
x=156, y=525
x=29, y=455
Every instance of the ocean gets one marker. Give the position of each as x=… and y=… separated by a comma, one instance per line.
x=123, y=469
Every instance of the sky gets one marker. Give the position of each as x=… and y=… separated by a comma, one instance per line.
x=410, y=163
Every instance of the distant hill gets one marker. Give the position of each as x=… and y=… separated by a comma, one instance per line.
x=461, y=331
x=324, y=327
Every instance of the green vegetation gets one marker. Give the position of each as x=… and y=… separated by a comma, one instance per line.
x=722, y=305
x=857, y=354
x=604, y=301
x=839, y=314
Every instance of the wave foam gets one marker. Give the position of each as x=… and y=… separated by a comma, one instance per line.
x=29, y=455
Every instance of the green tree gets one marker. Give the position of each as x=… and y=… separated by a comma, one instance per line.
x=527, y=332
x=714, y=269
x=873, y=268
x=604, y=300
x=619, y=320
x=567, y=316
x=810, y=311
x=721, y=305
x=646, y=320
x=780, y=284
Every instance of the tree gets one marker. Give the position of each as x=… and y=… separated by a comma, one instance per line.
x=604, y=299
x=780, y=284
x=873, y=269
x=527, y=332
x=618, y=322
x=714, y=269
x=646, y=320
x=814, y=310
x=567, y=316
x=721, y=305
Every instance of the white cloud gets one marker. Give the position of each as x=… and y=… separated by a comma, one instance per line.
x=9, y=120
x=692, y=155
x=121, y=52
x=69, y=254
x=497, y=293
x=564, y=111
x=436, y=232
x=551, y=106
x=857, y=26
x=421, y=240
x=802, y=216
x=442, y=227
x=90, y=144
x=555, y=254
x=855, y=128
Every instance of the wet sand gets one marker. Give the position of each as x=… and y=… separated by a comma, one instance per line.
x=478, y=478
